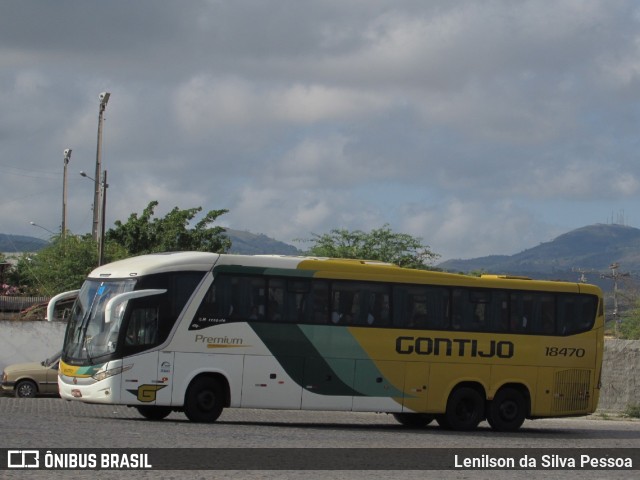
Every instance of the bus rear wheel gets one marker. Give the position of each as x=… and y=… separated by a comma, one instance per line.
x=413, y=420
x=507, y=410
x=152, y=412
x=465, y=409
x=204, y=400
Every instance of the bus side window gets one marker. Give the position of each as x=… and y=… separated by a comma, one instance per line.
x=471, y=309
x=438, y=307
x=376, y=304
x=246, y=298
x=345, y=303
x=497, y=315
x=521, y=310
x=143, y=327
x=545, y=322
x=420, y=307
x=462, y=310
x=400, y=306
x=275, y=302
x=216, y=304
x=576, y=313
x=297, y=306
x=319, y=302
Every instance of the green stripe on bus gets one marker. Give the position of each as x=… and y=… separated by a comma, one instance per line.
x=329, y=354
x=290, y=346
x=338, y=343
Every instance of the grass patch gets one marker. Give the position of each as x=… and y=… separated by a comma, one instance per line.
x=632, y=411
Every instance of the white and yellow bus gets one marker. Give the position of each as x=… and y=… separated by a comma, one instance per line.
x=198, y=332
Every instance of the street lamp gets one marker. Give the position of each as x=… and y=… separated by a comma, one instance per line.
x=104, y=98
x=67, y=157
x=102, y=189
x=43, y=228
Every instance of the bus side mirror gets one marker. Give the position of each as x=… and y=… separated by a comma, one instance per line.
x=125, y=297
x=51, y=306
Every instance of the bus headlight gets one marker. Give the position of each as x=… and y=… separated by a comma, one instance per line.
x=110, y=373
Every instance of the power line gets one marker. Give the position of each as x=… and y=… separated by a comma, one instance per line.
x=29, y=173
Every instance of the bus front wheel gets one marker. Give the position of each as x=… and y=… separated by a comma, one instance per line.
x=507, y=410
x=413, y=420
x=465, y=409
x=204, y=400
x=153, y=412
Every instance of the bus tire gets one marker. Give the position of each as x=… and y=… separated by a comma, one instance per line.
x=413, y=420
x=442, y=421
x=507, y=410
x=153, y=412
x=465, y=409
x=204, y=400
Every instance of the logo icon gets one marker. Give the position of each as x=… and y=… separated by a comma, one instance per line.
x=146, y=393
x=23, y=459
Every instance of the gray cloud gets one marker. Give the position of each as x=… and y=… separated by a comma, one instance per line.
x=482, y=127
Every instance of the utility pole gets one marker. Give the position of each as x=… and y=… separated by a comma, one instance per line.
x=104, y=98
x=103, y=213
x=615, y=275
x=67, y=157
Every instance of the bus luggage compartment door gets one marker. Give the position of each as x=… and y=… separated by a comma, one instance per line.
x=266, y=383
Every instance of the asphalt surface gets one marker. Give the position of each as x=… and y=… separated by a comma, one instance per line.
x=53, y=423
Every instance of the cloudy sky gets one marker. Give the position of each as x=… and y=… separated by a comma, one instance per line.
x=483, y=127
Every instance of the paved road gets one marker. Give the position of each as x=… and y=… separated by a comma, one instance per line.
x=55, y=423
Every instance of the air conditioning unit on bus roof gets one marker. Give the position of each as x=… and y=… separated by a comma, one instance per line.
x=505, y=277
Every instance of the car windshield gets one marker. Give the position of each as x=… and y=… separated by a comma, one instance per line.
x=88, y=335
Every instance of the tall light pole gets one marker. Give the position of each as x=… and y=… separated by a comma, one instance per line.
x=67, y=157
x=103, y=214
x=104, y=98
x=103, y=185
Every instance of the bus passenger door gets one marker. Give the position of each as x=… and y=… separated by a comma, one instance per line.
x=416, y=385
x=266, y=384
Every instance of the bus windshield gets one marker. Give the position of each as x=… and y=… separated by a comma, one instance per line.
x=88, y=335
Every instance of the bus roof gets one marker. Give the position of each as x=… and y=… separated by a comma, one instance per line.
x=156, y=263
x=324, y=268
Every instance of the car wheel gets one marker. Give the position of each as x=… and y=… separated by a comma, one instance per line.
x=26, y=389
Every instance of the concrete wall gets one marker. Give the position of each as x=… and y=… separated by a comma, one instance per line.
x=620, y=375
x=35, y=341
x=29, y=341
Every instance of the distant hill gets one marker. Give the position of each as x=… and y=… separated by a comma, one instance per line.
x=258, y=244
x=591, y=249
x=20, y=243
x=242, y=242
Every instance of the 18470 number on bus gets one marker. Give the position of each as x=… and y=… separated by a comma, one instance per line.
x=564, y=352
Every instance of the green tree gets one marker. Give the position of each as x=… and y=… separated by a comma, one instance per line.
x=62, y=265
x=630, y=325
x=144, y=234
x=380, y=244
